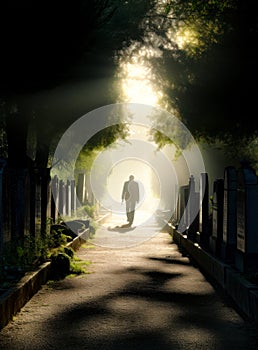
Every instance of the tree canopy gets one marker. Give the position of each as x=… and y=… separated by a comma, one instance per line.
x=209, y=69
x=40, y=40
x=206, y=63
x=41, y=44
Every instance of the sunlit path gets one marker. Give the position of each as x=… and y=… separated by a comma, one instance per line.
x=112, y=233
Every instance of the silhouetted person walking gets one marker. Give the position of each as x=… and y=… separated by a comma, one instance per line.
x=130, y=194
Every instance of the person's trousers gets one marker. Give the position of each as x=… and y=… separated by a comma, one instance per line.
x=130, y=209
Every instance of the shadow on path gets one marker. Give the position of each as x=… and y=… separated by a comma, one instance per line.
x=144, y=314
x=122, y=229
x=146, y=298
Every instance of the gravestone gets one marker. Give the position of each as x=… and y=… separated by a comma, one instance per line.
x=203, y=234
x=45, y=200
x=73, y=197
x=217, y=217
x=192, y=210
x=229, y=241
x=55, y=199
x=89, y=195
x=81, y=188
x=183, y=195
x=38, y=193
x=68, y=198
x=175, y=206
x=62, y=198
x=246, y=258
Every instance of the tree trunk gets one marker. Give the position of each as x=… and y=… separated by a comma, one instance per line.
x=17, y=130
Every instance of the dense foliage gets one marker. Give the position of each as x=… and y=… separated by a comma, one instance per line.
x=211, y=70
x=204, y=56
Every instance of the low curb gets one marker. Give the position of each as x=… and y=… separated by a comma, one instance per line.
x=15, y=298
x=243, y=293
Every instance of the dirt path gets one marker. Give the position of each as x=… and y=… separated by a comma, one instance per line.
x=144, y=297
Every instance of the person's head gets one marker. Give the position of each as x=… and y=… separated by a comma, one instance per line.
x=131, y=177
